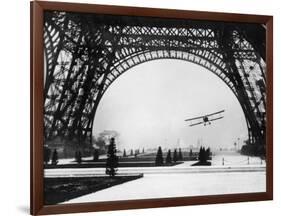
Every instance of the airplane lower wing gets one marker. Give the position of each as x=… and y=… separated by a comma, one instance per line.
x=196, y=124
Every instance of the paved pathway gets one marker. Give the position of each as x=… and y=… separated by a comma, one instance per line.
x=178, y=185
x=235, y=176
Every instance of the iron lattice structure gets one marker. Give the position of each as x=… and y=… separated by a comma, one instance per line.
x=85, y=53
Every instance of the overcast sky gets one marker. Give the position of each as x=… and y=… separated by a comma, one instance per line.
x=147, y=105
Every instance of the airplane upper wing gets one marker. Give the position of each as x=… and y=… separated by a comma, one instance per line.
x=214, y=119
x=205, y=115
x=194, y=118
x=215, y=113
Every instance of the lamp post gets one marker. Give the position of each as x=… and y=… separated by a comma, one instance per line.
x=238, y=142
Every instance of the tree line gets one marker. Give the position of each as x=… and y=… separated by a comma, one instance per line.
x=111, y=162
x=112, y=158
x=203, y=156
x=177, y=156
x=48, y=155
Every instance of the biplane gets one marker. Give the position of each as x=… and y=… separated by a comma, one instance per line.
x=205, y=119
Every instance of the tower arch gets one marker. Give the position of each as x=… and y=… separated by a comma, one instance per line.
x=85, y=53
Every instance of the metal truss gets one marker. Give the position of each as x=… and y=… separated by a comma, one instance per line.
x=86, y=53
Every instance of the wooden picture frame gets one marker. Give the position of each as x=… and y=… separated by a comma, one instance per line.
x=37, y=10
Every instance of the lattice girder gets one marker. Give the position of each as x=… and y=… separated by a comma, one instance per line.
x=85, y=53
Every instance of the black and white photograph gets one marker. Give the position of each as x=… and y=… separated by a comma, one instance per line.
x=142, y=107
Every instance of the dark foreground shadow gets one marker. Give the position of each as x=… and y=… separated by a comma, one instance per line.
x=59, y=190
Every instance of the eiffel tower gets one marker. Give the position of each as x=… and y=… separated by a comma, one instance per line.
x=86, y=53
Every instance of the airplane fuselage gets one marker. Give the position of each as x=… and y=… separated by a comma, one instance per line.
x=205, y=119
